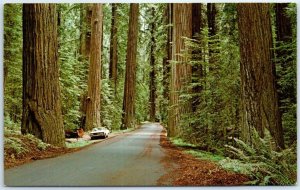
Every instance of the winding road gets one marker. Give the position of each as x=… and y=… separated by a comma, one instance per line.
x=132, y=159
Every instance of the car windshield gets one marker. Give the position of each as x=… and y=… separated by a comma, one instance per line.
x=99, y=129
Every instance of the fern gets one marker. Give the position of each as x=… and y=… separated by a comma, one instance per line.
x=265, y=166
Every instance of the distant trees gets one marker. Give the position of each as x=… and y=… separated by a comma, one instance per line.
x=259, y=95
x=128, y=119
x=42, y=114
x=94, y=77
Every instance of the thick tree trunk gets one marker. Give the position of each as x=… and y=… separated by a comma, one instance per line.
x=42, y=115
x=152, y=86
x=94, y=77
x=128, y=119
x=259, y=95
x=88, y=17
x=113, y=47
x=180, y=70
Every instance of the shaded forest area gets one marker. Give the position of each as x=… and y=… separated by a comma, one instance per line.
x=219, y=76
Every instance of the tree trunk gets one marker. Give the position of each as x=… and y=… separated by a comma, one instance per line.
x=128, y=117
x=87, y=46
x=94, y=77
x=152, y=85
x=180, y=70
x=259, y=95
x=196, y=54
x=42, y=115
x=113, y=48
x=212, y=31
x=283, y=56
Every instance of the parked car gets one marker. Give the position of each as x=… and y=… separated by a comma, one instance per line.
x=99, y=132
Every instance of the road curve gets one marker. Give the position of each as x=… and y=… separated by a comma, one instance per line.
x=131, y=159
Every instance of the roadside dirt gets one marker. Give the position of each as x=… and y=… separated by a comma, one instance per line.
x=12, y=159
x=190, y=171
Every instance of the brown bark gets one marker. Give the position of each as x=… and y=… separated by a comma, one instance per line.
x=212, y=31
x=259, y=95
x=168, y=58
x=128, y=119
x=42, y=115
x=283, y=23
x=152, y=86
x=87, y=46
x=180, y=70
x=94, y=77
x=113, y=47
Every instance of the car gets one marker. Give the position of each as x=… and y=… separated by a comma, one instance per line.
x=99, y=132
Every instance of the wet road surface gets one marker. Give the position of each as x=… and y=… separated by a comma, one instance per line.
x=131, y=159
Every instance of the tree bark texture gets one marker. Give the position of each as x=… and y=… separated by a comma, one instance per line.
x=168, y=51
x=259, y=95
x=152, y=86
x=42, y=114
x=180, y=70
x=113, y=47
x=128, y=119
x=94, y=76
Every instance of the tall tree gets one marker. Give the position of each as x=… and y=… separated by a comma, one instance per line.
x=259, y=95
x=128, y=118
x=180, y=70
x=167, y=59
x=196, y=54
x=152, y=86
x=113, y=47
x=42, y=115
x=212, y=31
x=94, y=77
x=283, y=55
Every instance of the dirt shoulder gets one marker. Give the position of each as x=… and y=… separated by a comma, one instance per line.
x=185, y=170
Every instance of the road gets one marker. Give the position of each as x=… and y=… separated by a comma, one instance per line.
x=131, y=159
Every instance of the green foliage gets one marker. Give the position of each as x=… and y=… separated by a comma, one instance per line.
x=264, y=165
x=73, y=68
x=13, y=61
x=78, y=144
x=203, y=155
x=15, y=145
x=181, y=143
x=219, y=95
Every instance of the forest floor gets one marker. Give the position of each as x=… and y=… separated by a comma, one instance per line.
x=191, y=171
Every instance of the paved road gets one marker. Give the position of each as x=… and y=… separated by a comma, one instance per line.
x=127, y=160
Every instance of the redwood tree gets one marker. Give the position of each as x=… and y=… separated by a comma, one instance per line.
x=152, y=86
x=94, y=76
x=42, y=114
x=128, y=118
x=180, y=70
x=113, y=47
x=259, y=95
